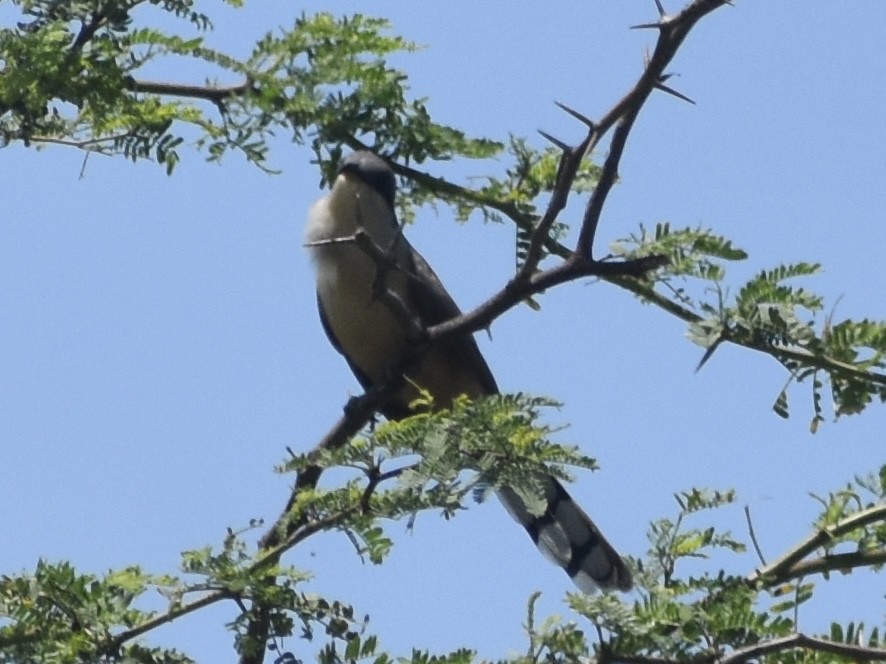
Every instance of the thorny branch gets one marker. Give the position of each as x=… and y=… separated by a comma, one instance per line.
x=577, y=262
x=792, y=565
x=216, y=94
x=753, y=652
x=793, y=641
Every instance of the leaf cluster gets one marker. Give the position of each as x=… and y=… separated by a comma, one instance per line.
x=400, y=470
x=417, y=464
x=70, y=74
x=56, y=614
x=767, y=313
x=59, y=615
x=67, y=77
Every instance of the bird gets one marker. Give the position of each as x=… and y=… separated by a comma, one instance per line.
x=372, y=337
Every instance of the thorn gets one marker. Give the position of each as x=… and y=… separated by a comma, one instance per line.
x=556, y=141
x=671, y=91
x=663, y=19
x=646, y=26
x=578, y=116
x=707, y=354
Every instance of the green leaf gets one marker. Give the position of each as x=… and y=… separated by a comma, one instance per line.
x=781, y=405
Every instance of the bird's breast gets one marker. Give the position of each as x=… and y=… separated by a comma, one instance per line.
x=363, y=326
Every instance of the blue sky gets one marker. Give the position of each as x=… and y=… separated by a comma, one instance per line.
x=161, y=347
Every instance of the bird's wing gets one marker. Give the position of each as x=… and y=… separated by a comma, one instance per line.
x=392, y=410
x=327, y=328
x=435, y=306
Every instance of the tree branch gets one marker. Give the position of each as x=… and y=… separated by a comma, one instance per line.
x=216, y=94
x=838, y=562
x=757, y=650
x=166, y=618
x=672, y=32
x=791, y=565
x=87, y=31
x=793, y=641
x=357, y=414
x=578, y=263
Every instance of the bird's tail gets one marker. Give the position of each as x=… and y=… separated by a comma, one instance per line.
x=568, y=537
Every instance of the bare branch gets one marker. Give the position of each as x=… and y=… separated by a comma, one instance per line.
x=608, y=176
x=791, y=565
x=838, y=562
x=518, y=289
x=859, y=653
x=570, y=159
x=747, y=515
x=216, y=94
x=672, y=32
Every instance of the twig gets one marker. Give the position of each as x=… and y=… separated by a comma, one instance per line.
x=570, y=162
x=85, y=144
x=793, y=641
x=88, y=30
x=835, y=562
x=216, y=94
x=786, y=567
x=608, y=175
x=747, y=516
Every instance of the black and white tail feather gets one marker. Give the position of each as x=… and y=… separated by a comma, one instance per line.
x=567, y=537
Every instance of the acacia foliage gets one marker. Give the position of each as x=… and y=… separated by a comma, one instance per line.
x=71, y=73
